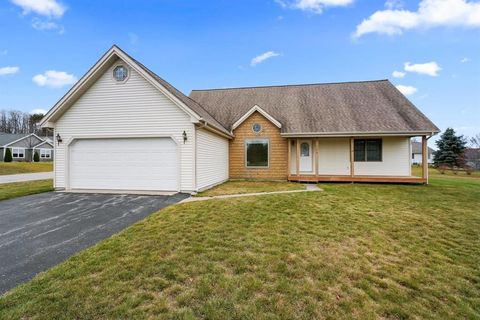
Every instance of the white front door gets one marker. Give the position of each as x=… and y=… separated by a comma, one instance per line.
x=124, y=164
x=306, y=158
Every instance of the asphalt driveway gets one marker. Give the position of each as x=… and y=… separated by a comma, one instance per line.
x=40, y=231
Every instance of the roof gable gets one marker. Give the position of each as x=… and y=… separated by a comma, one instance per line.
x=253, y=110
x=192, y=108
x=7, y=139
x=369, y=107
x=43, y=143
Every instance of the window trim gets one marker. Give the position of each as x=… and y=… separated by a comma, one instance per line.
x=129, y=72
x=366, y=151
x=246, y=141
x=44, y=151
x=18, y=148
x=259, y=131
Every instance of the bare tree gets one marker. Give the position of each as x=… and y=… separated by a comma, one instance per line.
x=475, y=141
x=14, y=121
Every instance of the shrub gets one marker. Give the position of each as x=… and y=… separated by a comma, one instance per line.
x=36, y=157
x=8, y=155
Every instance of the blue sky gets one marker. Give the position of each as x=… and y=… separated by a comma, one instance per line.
x=434, y=45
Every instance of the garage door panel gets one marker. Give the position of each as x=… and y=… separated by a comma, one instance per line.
x=124, y=164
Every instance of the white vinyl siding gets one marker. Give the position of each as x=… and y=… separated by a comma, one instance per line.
x=212, y=159
x=131, y=109
x=334, y=156
x=395, y=159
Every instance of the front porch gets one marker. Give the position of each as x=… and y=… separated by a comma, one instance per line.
x=334, y=160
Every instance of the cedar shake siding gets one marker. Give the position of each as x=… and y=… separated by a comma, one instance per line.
x=277, y=169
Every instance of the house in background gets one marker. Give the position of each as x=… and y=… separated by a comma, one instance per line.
x=472, y=158
x=417, y=153
x=123, y=128
x=24, y=146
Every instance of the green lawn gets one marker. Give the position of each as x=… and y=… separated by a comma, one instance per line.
x=353, y=251
x=19, y=189
x=246, y=186
x=24, y=167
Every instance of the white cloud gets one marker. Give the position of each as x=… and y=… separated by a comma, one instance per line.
x=49, y=8
x=8, y=70
x=264, y=56
x=465, y=60
x=38, y=111
x=430, y=13
x=429, y=68
x=394, y=4
x=398, y=74
x=46, y=25
x=54, y=79
x=315, y=6
x=406, y=90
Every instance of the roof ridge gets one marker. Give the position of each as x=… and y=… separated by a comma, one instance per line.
x=292, y=85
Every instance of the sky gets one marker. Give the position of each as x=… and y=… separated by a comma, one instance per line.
x=429, y=49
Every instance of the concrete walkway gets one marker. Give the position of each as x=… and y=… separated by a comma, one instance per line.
x=308, y=188
x=26, y=177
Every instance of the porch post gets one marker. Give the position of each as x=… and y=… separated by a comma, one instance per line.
x=317, y=152
x=352, y=169
x=289, y=152
x=425, y=159
x=297, y=157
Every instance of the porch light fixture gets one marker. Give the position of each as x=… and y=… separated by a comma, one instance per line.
x=184, y=134
x=59, y=138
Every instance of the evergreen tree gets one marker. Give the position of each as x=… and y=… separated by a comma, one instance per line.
x=8, y=155
x=450, y=149
x=36, y=157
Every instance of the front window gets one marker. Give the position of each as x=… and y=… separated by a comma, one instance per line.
x=368, y=150
x=18, y=153
x=257, y=153
x=45, y=153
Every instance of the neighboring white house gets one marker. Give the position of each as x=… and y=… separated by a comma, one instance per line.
x=123, y=128
x=417, y=153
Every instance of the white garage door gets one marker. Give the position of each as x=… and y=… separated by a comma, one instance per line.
x=124, y=164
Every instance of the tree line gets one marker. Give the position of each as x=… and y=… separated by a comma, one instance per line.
x=14, y=121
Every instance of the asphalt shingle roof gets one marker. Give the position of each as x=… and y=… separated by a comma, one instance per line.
x=417, y=148
x=350, y=107
x=6, y=138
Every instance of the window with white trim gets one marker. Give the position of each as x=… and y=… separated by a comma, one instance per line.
x=45, y=153
x=256, y=153
x=18, y=153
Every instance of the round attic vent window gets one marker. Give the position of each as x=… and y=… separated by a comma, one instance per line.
x=256, y=127
x=120, y=73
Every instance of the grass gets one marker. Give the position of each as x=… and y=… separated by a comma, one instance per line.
x=20, y=189
x=246, y=186
x=24, y=167
x=353, y=251
x=432, y=172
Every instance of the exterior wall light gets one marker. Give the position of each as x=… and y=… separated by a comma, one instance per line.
x=59, y=138
x=184, y=134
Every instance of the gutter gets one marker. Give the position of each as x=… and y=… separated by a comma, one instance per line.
x=208, y=126
x=360, y=134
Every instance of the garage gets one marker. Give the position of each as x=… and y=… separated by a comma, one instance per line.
x=146, y=164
